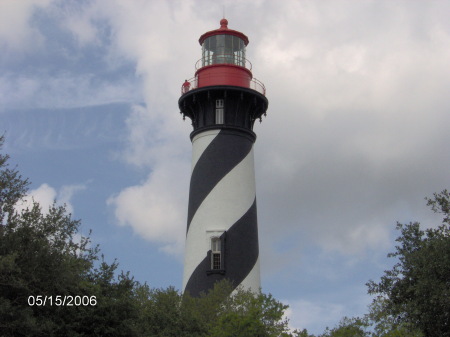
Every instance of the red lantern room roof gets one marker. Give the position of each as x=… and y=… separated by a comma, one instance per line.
x=223, y=30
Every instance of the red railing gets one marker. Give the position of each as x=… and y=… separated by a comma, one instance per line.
x=192, y=83
x=189, y=84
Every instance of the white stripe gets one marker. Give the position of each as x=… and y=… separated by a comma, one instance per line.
x=225, y=204
x=253, y=280
x=200, y=143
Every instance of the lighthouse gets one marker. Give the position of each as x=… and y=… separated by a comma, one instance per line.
x=223, y=100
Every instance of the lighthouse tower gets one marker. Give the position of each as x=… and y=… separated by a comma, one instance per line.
x=223, y=101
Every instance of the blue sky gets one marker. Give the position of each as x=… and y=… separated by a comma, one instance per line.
x=355, y=137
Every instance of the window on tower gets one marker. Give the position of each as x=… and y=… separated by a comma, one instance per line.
x=216, y=254
x=219, y=111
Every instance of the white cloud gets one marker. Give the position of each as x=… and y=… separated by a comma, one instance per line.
x=45, y=195
x=361, y=110
x=356, y=238
x=67, y=192
x=317, y=315
x=312, y=315
x=16, y=30
x=145, y=32
x=156, y=209
x=64, y=90
x=80, y=24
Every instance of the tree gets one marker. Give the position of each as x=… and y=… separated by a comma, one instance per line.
x=385, y=325
x=348, y=327
x=303, y=333
x=247, y=314
x=12, y=187
x=416, y=292
x=42, y=254
x=167, y=312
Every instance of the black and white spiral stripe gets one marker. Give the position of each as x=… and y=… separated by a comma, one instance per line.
x=222, y=200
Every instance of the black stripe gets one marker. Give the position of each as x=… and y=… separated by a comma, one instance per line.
x=225, y=151
x=241, y=254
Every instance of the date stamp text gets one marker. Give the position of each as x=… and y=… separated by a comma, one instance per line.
x=62, y=300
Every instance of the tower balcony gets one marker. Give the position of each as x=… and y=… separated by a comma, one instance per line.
x=221, y=70
x=192, y=84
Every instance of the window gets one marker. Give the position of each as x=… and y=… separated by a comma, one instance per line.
x=219, y=111
x=216, y=257
x=216, y=241
x=223, y=48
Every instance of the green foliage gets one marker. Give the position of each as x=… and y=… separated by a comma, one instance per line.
x=385, y=325
x=165, y=312
x=42, y=254
x=368, y=327
x=12, y=186
x=303, y=333
x=416, y=291
x=348, y=327
x=248, y=314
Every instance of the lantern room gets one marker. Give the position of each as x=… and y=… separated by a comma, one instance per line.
x=223, y=61
x=223, y=46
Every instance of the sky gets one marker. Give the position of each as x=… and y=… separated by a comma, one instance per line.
x=356, y=133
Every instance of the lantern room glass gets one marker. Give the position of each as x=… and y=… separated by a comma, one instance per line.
x=220, y=49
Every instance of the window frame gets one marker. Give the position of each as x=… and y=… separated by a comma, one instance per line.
x=214, y=236
x=216, y=243
x=220, y=111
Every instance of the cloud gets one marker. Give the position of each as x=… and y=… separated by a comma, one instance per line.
x=325, y=311
x=356, y=127
x=156, y=209
x=158, y=139
x=66, y=54
x=16, y=30
x=80, y=23
x=361, y=111
x=64, y=90
x=46, y=195
x=67, y=192
x=312, y=315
